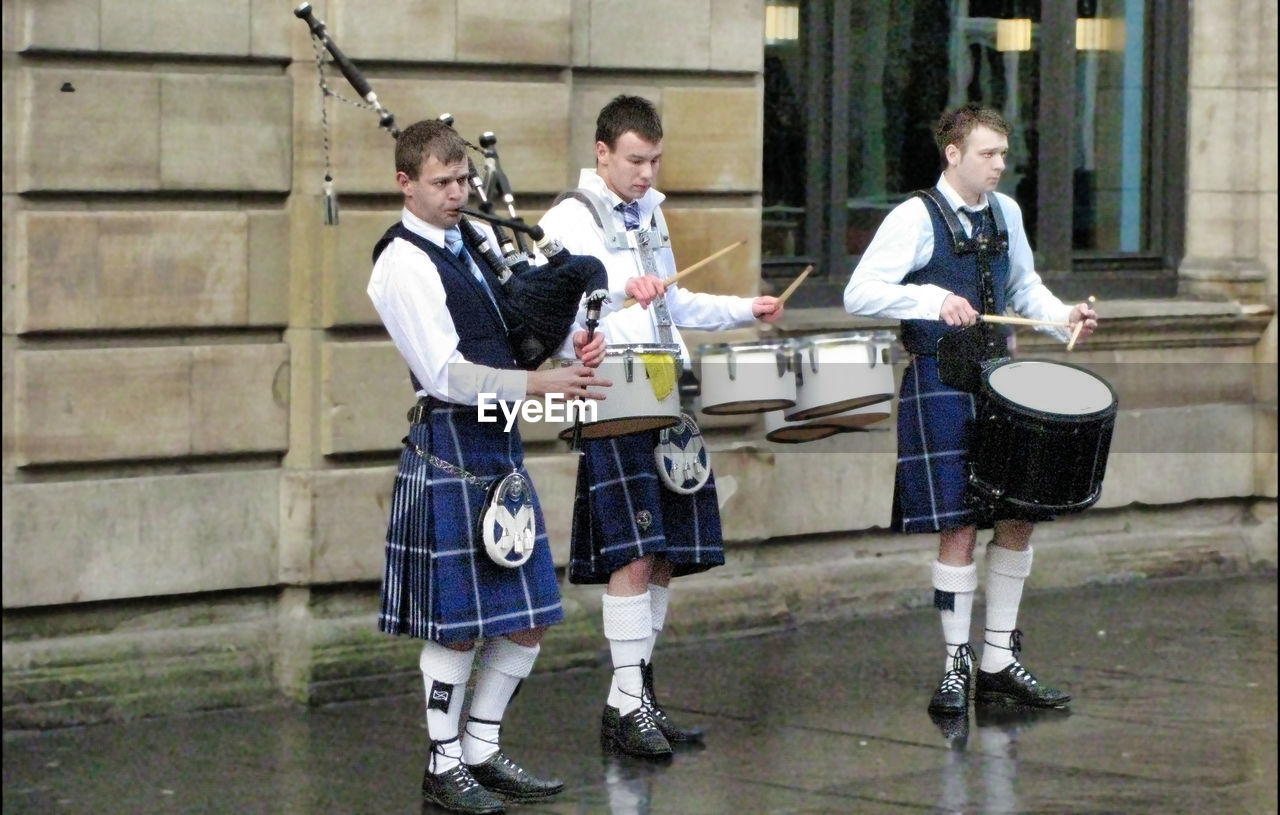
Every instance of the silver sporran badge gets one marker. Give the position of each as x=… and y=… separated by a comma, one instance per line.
x=683, y=462
x=508, y=526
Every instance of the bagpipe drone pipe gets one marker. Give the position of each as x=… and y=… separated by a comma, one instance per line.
x=537, y=302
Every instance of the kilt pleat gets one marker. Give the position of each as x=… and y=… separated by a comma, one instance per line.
x=622, y=512
x=438, y=583
x=935, y=426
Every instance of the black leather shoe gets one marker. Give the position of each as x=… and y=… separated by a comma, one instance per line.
x=457, y=791
x=635, y=734
x=1015, y=685
x=952, y=695
x=500, y=774
x=674, y=733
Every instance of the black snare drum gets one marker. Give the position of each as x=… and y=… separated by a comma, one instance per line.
x=1041, y=438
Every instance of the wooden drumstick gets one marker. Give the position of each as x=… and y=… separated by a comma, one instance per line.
x=1075, y=332
x=631, y=301
x=795, y=284
x=1000, y=318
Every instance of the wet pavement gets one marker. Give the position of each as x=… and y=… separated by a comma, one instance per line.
x=1175, y=712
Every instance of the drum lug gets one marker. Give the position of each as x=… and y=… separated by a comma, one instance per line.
x=628, y=365
x=732, y=366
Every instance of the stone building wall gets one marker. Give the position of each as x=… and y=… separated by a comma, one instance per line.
x=201, y=412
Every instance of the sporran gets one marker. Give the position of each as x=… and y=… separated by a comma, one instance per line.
x=684, y=464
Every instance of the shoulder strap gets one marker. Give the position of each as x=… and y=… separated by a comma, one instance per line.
x=600, y=211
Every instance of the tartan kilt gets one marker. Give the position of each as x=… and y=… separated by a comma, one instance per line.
x=935, y=431
x=622, y=512
x=439, y=584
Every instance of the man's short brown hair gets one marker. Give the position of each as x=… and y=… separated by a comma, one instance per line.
x=430, y=137
x=956, y=124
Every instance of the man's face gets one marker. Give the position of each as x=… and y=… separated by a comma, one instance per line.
x=977, y=169
x=438, y=192
x=631, y=168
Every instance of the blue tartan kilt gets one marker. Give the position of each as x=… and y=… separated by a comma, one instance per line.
x=439, y=584
x=622, y=512
x=935, y=431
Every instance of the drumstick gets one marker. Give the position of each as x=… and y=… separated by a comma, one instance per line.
x=795, y=284
x=667, y=281
x=1000, y=318
x=1075, y=332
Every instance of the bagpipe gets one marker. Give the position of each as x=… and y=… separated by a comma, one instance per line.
x=538, y=302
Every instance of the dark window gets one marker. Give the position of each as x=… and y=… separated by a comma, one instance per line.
x=1094, y=90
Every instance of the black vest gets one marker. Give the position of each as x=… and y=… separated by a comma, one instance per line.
x=955, y=266
x=482, y=337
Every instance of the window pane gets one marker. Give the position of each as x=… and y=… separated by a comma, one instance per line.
x=898, y=86
x=783, y=226
x=1110, y=139
x=908, y=66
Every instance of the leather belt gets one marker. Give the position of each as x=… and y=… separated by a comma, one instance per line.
x=425, y=404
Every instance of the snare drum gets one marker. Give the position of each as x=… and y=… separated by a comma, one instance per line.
x=633, y=403
x=839, y=373
x=1041, y=438
x=747, y=377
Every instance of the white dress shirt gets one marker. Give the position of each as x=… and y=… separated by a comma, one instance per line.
x=572, y=223
x=410, y=298
x=904, y=244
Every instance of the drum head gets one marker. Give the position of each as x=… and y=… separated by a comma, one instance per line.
x=1051, y=387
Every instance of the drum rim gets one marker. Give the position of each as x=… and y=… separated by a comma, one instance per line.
x=988, y=392
x=765, y=345
x=618, y=349
x=833, y=338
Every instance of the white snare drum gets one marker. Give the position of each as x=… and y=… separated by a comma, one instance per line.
x=778, y=429
x=749, y=377
x=632, y=405
x=840, y=373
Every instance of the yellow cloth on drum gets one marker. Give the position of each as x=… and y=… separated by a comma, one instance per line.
x=661, y=369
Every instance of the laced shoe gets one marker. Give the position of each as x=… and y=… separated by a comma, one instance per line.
x=500, y=774
x=952, y=695
x=674, y=733
x=1015, y=685
x=458, y=791
x=635, y=734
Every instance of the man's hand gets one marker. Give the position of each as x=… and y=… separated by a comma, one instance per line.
x=591, y=353
x=644, y=289
x=1084, y=312
x=568, y=381
x=766, y=308
x=957, y=311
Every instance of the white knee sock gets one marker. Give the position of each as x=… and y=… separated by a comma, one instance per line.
x=503, y=663
x=1007, y=571
x=628, y=625
x=953, y=588
x=444, y=673
x=659, y=599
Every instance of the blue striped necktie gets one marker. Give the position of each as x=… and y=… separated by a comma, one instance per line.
x=453, y=240
x=630, y=214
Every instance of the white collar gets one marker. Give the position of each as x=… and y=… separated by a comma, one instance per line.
x=953, y=198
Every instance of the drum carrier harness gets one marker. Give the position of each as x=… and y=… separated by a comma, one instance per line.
x=961, y=354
